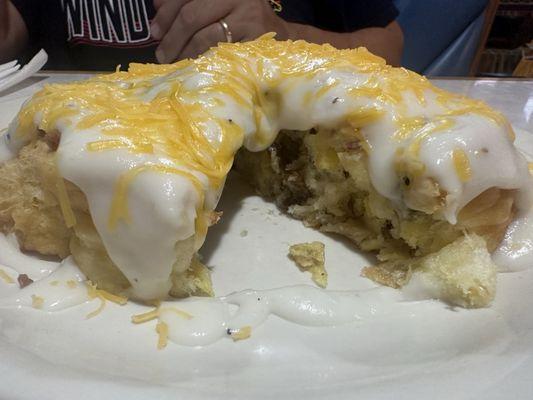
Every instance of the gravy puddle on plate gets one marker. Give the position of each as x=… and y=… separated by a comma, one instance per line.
x=194, y=321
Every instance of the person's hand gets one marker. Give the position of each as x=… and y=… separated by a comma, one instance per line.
x=188, y=28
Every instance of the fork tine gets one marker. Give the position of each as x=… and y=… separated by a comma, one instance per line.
x=35, y=64
x=8, y=65
x=9, y=71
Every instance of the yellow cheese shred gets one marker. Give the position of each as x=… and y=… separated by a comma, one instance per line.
x=162, y=330
x=120, y=300
x=242, y=333
x=72, y=284
x=145, y=317
x=408, y=126
x=438, y=125
x=161, y=327
x=6, y=277
x=100, y=308
x=37, y=301
x=120, y=144
x=119, y=205
x=94, y=293
x=153, y=314
x=462, y=165
x=315, y=95
x=362, y=117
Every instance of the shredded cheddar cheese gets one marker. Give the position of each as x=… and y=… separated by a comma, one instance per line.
x=119, y=207
x=72, y=284
x=162, y=330
x=37, y=301
x=462, y=165
x=145, y=317
x=438, y=125
x=6, y=277
x=153, y=314
x=94, y=293
x=143, y=111
x=243, y=333
x=161, y=327
x=100, y=308
x=120, y=300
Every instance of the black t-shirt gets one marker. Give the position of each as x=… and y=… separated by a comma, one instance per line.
x=339, y=15
x=90, y=34
x=101, y=34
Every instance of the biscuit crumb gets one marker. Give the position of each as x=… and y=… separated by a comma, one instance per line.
x=214, y=217
x=311, y=257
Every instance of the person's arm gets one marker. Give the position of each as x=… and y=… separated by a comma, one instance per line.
x=13, y=32
x=187, y=28
x=386, y=42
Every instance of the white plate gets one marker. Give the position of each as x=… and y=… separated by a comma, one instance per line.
x=428, y=351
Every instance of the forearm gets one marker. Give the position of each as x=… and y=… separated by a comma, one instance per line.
x=13, y=32
x=386, y=42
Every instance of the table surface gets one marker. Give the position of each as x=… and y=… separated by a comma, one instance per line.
x=513, y=97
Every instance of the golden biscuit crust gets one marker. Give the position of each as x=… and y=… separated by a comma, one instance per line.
x=29, y=208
